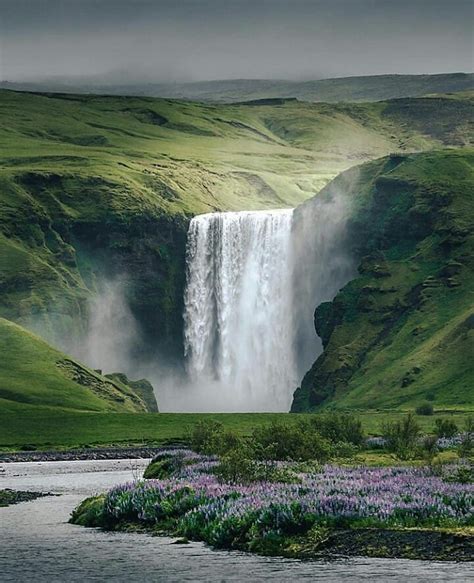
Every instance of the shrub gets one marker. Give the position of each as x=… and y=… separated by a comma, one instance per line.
x=204, y=436
x=467, y=441
x=445, y=428
x=461, y=474
x=339, y=427
x=424, y=409
x=297, y=442
x=89, y=512
x=344, y=450
x=227, y=441
x=163, y=466
x=235, y=467
x=401, y=437
x=429, y=448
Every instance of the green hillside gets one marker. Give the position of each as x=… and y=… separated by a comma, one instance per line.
x=94, y=187
x=401, y=333
x=34, y=373
x=356, y=89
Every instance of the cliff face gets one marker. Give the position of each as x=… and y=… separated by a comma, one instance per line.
x=63, y=236
x=401, y=332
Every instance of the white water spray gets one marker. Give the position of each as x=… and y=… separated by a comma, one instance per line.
x=238, y=324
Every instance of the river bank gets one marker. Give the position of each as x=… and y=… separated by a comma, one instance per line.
x=372, y=543
x=83, y=454
x=38, y=542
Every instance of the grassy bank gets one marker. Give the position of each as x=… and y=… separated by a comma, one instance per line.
x=24, y=426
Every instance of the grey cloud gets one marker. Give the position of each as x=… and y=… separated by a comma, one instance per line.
x=164, y=40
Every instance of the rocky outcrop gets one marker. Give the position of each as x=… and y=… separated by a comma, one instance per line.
x=116, y=390
x=142, y=387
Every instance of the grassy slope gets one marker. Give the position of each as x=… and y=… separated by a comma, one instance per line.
x=368, y=88
x=192, y=158
x=402, y=332
x=33, y=373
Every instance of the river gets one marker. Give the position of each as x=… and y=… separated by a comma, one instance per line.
x=38, y=544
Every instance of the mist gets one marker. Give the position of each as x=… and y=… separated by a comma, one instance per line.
x=112, y=331
x=132, y=41
x=323, y=261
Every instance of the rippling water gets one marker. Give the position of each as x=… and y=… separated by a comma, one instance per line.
x=38, y=544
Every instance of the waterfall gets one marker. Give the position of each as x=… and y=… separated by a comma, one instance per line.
x=238, y=306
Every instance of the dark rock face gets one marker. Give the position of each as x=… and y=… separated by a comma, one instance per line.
x=424, y=545
x=150, y=253
x=388, y=335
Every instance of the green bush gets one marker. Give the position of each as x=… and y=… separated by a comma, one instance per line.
x=425, y=409
x=204, y=436
x=445, y=428
x=297, y=442
x=467, y=442
x=90, y=512
x=339, y=427
x=236, y=467
x=163, y=466
x=401, y=437
x=461, y=474
x=227, y=441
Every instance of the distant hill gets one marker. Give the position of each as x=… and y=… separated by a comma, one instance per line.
x=34, y=373
x=402, y=332
x=349, y=89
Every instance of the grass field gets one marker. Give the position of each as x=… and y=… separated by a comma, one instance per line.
x=33, y=372
x=44, y=428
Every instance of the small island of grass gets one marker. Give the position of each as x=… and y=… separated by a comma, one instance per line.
x=9, y=497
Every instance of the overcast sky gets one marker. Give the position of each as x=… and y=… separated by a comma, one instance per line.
x=189, y=40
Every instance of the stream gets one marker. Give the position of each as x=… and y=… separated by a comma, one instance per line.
x=37, y=543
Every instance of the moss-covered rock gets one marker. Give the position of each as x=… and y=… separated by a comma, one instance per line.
x=90, y=512
x=142, y=387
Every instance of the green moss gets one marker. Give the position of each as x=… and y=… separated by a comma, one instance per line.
x=142, y=388
x=160, y=469
x=89, y=512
